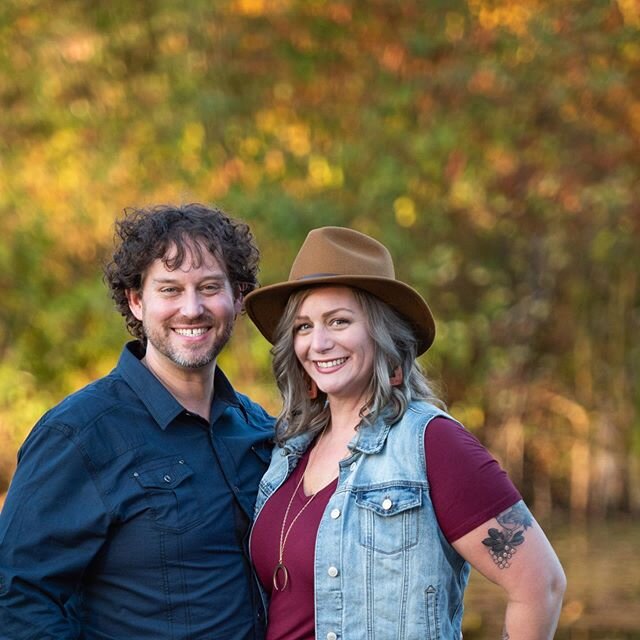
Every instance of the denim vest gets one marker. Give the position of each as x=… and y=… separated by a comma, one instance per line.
x=383, y=568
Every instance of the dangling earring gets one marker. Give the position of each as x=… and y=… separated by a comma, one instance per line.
x=396, y=377
x=312, y=389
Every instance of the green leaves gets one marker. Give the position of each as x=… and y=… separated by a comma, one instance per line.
x=493, y=148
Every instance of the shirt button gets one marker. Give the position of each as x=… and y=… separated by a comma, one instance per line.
x=135, y=474
x=335, y=513
x=353, y=466
x=332, y=571
x=332, y=636
x=386, y=504
x=167, y=478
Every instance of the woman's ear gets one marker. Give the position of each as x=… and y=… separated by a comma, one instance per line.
x=396, y=377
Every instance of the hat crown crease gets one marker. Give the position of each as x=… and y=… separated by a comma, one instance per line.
x=328, y=254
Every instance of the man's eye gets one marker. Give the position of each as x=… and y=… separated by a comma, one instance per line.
x=168, y=290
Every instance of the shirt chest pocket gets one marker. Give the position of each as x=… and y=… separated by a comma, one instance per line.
x=170, y=494
x=388, y=517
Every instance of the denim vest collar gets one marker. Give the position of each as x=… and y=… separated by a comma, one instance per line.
x=298, y=444
x=369, y=439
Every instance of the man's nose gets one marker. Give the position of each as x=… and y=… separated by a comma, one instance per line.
x=192, y=304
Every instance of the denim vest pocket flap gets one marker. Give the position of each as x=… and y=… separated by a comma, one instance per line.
x=388, y=518
x=389, y=501
x=172, y=500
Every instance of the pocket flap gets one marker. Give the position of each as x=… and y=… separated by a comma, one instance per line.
x=166, y=476
x=391, y=500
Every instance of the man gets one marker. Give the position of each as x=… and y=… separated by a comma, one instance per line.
x=129, y=511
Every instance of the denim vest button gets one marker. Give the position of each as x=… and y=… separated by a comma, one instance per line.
x=335, y=513
x=332, y=571
x=352, y=466
x=332, y=636
x=386, y=504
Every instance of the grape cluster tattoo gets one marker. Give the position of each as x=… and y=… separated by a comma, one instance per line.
x=502, y=543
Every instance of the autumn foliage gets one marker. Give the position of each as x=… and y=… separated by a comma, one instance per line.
x=494, y=146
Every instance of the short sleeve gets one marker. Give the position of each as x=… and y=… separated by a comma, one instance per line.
x=468, y=486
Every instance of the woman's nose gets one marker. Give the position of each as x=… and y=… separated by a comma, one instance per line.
x=321, y=339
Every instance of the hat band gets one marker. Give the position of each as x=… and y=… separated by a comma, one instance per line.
x=319, y=275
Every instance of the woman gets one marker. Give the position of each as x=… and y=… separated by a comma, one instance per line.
x=376, y=501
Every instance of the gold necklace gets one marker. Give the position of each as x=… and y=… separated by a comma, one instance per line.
x=281, y=572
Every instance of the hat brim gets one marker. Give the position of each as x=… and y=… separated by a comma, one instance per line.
x=266, y=305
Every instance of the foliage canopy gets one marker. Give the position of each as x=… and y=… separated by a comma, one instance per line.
x=492, y=145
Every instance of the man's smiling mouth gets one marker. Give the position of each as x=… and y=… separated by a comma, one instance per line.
x=192, y=333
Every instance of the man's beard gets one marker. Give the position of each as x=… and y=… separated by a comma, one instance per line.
x=181, y=356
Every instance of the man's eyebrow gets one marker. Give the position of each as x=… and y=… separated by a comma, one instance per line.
x=218, y=277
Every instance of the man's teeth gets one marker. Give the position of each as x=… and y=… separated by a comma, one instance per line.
x=191, y=332
x=330, y=363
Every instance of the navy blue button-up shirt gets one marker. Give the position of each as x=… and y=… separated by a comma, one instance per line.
x=128, y=516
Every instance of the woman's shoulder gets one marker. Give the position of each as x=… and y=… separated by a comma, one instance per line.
x=423, y=409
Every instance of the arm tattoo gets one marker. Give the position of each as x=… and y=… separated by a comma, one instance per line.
x=505, y=634
x=502, y=542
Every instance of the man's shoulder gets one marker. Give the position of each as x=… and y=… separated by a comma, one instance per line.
x=95, y=420
x=86, y=405
x=256, y=414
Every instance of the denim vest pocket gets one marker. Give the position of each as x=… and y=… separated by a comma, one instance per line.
x=388, y=517
x=168, y=487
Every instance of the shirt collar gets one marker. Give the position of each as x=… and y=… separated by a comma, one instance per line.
x=160, y=403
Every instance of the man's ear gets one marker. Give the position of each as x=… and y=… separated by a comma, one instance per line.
x=134, y=298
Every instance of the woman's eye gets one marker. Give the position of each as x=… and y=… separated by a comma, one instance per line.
x=304, y=326
x=339, y=322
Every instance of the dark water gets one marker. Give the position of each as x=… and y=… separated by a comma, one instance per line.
x=602, y=602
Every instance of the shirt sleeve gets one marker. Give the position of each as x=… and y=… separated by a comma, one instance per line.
x=468, y=486
x=51, y=526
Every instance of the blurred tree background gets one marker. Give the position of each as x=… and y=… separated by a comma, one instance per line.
x=493, y=146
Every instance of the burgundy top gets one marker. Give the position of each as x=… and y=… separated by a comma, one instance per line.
x=467, y=486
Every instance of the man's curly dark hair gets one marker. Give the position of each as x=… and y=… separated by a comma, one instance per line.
x=145, y=235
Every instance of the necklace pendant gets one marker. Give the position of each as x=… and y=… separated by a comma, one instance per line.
x=280, y=577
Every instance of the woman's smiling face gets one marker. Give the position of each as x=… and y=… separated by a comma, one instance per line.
x=332, y=342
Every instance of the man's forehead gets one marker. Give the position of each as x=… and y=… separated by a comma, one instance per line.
x=192, y=254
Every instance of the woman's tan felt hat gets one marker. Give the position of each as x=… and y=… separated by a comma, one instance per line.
x=338, y=256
